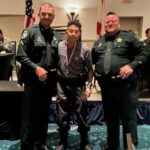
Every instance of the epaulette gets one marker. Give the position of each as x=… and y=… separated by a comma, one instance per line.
x=57, y=35
x=31, y=27
x=35, y=26
x=126, y=31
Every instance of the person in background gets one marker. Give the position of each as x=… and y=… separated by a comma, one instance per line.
x=74, y=69
x=147, y=40
x=144, y=84
x=4, y=43
x=37, y=53
x=117, y=56
x=5, y=47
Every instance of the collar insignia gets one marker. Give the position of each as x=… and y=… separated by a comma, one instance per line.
x=24, y=34
x=100, y=44
x=119, y=40
x=39, y=39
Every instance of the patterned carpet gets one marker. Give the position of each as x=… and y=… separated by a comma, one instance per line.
x=97, y=136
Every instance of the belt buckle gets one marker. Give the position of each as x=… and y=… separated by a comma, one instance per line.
x=52, y=70
x=115, y=77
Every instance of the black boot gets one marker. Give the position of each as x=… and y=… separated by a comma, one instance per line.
x=63, y=140
x=27, y=146
x=40, y=144
x=41, y=147
x=85, y=142
x=108, y=147
x=61, y=147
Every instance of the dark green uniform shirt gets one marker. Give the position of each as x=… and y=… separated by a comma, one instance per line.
x=37, y=47
x=126, y=48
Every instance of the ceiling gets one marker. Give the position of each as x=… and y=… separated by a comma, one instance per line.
x=74, y=3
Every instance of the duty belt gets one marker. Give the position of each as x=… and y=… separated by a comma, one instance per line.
x=115, y=77
x=113, y=80
x=52, y=70
x=109, y=76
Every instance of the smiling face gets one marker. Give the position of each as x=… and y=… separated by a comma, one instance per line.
x=73, y=33
x=112, y=24
x=46, y=15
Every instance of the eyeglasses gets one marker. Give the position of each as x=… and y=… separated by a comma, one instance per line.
x=111, y=21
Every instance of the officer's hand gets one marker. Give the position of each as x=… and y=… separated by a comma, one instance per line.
x=41, y=73
x=87, y=91
x=125, y=72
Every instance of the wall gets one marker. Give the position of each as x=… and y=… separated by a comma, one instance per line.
x=138, y=8
x=87, y=18
x=13, y=9
x=12, y=19
x=12, y=26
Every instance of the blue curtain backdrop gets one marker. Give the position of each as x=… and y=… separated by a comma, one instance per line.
x=11, y=116
x=95, y=113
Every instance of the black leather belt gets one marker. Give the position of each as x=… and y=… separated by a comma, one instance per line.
x=115, y=77
x=52, y=70
x=109, y=76
x=106, y=76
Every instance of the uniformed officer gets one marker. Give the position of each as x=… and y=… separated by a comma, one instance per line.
x=117, y=55
x=74, y=69
x=37, y=53
x=147, y=40
x=145, y=71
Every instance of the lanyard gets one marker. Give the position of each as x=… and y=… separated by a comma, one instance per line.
x=69, y=60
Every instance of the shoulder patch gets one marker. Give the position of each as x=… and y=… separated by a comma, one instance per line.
x=137, y=37
x=144, y=44
x=24, y=34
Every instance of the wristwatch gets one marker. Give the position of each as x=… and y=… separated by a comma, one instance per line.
x=88, y=84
